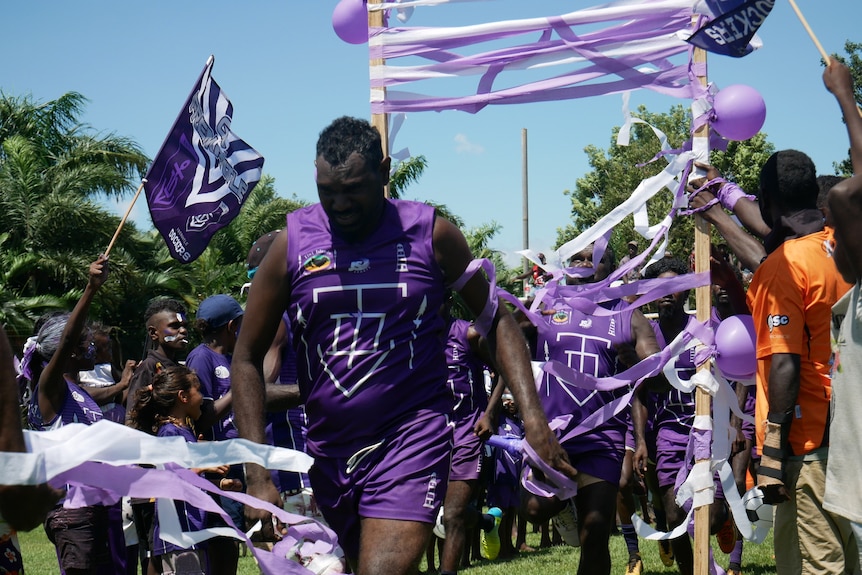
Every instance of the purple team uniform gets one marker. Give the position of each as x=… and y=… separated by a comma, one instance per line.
x=466, y=382
x=191, y=518
x=368, y=338
x=674, y=419
x=504, y=488
x=288, y=428
x=587, y=344
x=213, y=371
x=78, y=407
x=81, y=535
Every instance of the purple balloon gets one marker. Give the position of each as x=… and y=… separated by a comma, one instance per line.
x=739, y=112
x=350, y=21
x=735, y=347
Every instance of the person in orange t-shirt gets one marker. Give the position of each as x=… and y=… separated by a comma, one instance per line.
x=791, y=297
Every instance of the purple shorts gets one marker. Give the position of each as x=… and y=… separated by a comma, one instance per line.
x=466, y=450
x=504, y=491
x=630, y=436
x=671, y=448
x=403, y=479
x=748, y=409
x=599, y=452
x=606, y=464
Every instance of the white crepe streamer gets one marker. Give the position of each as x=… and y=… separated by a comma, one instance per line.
x=56, y=451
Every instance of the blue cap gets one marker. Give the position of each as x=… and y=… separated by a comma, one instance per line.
x=219, y=309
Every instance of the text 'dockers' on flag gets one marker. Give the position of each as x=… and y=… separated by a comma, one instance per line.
x=202, y=174
x=734, y=24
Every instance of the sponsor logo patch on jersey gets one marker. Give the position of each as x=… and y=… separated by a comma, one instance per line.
x=773, y=321
x=560, y=317
x=359, y=266
x=317, y=261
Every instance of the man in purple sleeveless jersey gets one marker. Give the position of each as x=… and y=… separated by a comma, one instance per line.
x=675, y=412
x=363, y=278
x=599, y=346
x=465, y=356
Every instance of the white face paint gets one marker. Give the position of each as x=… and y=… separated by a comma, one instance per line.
x=171, y=338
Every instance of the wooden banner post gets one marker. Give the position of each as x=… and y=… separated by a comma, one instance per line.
x=703, y=299
x=379, y=121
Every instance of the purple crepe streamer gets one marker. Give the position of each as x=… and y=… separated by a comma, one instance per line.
x=100, y=483
x=668, y=79
x=559, y=485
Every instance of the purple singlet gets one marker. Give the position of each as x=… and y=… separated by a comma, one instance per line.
x=78, y=407
x=466, y=379
x=587, y=344
x=674, y=410
x=191, y=518
x=213, y=371
x=366, y=326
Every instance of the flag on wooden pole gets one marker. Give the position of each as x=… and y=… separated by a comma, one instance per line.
x=730, y=32
x=202, y=174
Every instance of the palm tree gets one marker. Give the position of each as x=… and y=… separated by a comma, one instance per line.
x=407, y=172
x=52, y=170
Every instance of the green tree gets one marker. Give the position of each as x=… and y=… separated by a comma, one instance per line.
x=407, y=172
x=854, y=62
x=53, y=170
x=221, y=267
x=617, y=171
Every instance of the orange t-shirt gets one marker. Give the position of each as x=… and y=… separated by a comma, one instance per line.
x=790, y=298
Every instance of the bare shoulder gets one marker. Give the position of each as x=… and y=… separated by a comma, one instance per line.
x=450, y=249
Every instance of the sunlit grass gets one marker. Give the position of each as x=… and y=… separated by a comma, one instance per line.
x=40, y=559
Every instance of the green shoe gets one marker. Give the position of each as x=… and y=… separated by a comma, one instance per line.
x=489, y=541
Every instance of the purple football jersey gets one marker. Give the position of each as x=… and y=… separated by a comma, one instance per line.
x=587, y=344
x=78, y=407
x=213, y=371
x=288, y=428
x=466, y=379
x=191, y=518
x=674, y=409
x=366, y=326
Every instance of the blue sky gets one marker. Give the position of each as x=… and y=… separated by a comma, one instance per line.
x=288, y=75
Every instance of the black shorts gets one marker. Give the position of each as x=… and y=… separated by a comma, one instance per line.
x=80, y=536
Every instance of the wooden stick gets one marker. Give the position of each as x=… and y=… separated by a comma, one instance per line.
x=125, y=217
x=703, y=299
x=379, y=121
x=817, y=43
x=802, y=19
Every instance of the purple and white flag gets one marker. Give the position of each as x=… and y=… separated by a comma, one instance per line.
x=202, y=174
x=733, y=27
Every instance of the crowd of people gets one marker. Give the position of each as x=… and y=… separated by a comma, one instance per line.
x=347, y=349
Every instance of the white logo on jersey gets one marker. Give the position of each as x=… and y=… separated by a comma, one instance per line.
x=222, y=372
x=580, y=360
x=773, y=321
x=354, y=327
x=360, y=266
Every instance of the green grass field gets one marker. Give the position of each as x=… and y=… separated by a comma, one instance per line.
x=39, y=559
